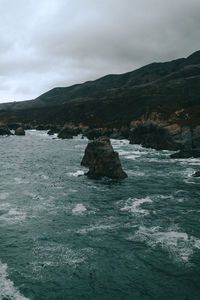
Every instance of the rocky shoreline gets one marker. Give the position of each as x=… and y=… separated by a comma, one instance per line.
x=150, y=131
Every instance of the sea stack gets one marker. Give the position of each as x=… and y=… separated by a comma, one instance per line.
x=102, y=160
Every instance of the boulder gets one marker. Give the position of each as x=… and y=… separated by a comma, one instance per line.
x=102, y=160
x=4, y=130
x=65, y=133
x=68, y=131
x=20, y=131
x=196, y=174
x=53, y=130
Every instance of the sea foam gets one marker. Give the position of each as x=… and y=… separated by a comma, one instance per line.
x=179, y=245
x=12, y=216
x=7, y=288
x=78, y=209
x=133, y=205
x=76, y=174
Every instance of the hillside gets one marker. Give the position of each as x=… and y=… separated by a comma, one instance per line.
x=116, y=100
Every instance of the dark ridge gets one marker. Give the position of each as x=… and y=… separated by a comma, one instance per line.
x=114, y=100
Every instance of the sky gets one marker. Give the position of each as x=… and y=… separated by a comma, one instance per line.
x=50, y=43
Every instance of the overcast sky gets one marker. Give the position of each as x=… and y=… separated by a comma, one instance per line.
x=49, y=43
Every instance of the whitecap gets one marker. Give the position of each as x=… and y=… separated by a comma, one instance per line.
x=73, y=191
x=122, y=152
x=165, y=196
x=190, y=161
x=133, y=205
x=76, y=174
x=82, y=147
x=7, y=288
x=118, y=143
x=13, y=216
x=179, y=244
x=152, y=159
x=188, y=172
x=20, y=180
x=4, y=196
x=72, y=258
x=44, y=177
x=78, y=209
x=133, y=157
x=188, y=181
x=136, y=173
x=97, y=227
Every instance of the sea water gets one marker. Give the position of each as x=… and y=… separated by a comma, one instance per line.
x=65, y=236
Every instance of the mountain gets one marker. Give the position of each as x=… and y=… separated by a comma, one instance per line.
x=116, y=100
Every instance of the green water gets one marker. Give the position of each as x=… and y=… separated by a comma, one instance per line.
x=64, y=236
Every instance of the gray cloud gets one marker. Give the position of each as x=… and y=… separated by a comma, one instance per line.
x=51, y=43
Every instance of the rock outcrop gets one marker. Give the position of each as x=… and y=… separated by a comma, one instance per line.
x=102, y=160
x=4, y=130
x=20, y=131
x=151, y=135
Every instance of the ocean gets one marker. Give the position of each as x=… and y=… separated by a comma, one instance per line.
x=65, y=236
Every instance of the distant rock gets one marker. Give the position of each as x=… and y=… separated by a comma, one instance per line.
x=14, y=126
x=40, y=127
x=20, y=131
x=68, y=131
x=93, y=133
x=102, y=160
x=114, y=133
x=196, y=174
x=53, y=130
x=4, y=130
x=186, y=154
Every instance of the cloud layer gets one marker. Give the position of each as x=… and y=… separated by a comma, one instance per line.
x=51, y=43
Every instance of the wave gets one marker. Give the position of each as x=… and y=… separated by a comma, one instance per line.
x=133, y=205
x=11, y=215
x=76, y=174
x=4, y=196
x=78, y=209
x=179, y=244
x=7, y=289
